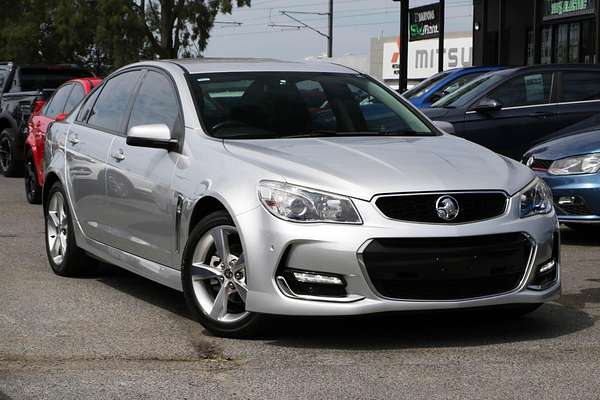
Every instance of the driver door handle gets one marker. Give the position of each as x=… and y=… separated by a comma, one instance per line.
x=73, y=140
x=119, y=156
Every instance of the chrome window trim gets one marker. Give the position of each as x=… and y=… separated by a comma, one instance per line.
x=527, y=275
x=543, y=105
x=506, y=206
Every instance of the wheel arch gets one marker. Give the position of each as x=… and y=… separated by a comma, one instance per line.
x=203, y=207
x=50, y=180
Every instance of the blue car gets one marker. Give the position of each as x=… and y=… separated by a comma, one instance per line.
x=569, y=165
x=439, y=85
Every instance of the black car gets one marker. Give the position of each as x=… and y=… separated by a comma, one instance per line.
x=511, y=110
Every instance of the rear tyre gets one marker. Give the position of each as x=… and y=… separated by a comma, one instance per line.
x=33, y=190
x=65, y=258
x=10, y=166
x=214, y=278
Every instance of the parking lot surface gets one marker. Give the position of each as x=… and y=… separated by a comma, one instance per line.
x=111, y=334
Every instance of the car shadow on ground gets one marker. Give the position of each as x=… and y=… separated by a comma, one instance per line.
x=586, y=235
x=390, y=330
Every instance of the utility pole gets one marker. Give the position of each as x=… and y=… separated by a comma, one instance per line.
x=442, y=8
x=330, y=36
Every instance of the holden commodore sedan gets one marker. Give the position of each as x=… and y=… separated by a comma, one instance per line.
x=261, y=187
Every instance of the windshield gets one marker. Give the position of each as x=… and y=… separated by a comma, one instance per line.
x=261, y=105
x=425, y=86
x=49, y=78
x=468, y=91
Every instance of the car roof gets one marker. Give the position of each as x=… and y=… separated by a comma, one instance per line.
x=216, y=65
x=554, y=67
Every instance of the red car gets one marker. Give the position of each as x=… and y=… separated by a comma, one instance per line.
x=64, y=100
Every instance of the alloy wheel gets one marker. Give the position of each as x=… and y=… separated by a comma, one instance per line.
x=57, y=228
x=219, y=275
x=5, y=154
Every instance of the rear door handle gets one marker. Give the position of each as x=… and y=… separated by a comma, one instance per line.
x=119, y=156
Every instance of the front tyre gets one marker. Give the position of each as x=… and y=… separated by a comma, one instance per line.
x=10, y=166
x=65, y=258
x=214, y=278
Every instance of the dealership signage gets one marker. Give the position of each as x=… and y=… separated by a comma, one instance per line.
x=423, y=56
x=425, y=22
x=554, y=9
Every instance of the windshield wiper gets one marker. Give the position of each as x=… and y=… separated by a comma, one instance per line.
x=406, y=133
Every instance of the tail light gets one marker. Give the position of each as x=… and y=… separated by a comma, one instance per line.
x=37, y=106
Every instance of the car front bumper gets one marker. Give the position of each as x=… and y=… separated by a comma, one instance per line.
x=336, y=249
x=584, y=188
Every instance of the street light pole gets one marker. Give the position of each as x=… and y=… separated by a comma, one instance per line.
x=403, y=60
x=330, y=36
x=442, y=8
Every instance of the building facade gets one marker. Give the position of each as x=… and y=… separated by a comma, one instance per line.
x=524, y=32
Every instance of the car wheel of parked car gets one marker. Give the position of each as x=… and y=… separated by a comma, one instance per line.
x=33, y=190
x=9, y=165
x=214, y=277
x=65, y=258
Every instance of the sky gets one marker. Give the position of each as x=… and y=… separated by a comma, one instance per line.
x=355, y=23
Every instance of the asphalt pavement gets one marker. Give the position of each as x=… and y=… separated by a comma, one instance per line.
x=113, y=335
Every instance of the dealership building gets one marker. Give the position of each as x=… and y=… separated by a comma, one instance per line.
x=524, y=32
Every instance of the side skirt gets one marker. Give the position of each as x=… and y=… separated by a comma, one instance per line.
x=148, y=269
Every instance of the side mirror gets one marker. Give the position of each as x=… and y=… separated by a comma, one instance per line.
x=61, y=117
x=486, y=105
x=444, y=126
x=157, y=136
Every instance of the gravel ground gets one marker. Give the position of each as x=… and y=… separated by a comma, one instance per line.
x=113, y=335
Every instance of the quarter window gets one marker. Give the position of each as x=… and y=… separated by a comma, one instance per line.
x=524, y=90
x=155, y=103
x=113, y=102
x=580, y=86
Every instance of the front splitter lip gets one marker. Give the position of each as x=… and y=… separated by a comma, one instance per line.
x=296, y=307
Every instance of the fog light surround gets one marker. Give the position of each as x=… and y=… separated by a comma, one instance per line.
x=302, y=283
x=546, y=275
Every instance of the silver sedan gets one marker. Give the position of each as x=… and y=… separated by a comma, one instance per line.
x=260, y=187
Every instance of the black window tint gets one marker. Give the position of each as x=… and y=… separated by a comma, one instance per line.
x=524, y=90
x=319, y=109
x=155, y=103
x=581, y=86
x=113, y=102
x=77, y=94
x=57, y=103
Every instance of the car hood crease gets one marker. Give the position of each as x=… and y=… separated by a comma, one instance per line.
x=363, y=167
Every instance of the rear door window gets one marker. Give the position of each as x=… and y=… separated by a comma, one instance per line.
x=58, y=101
x=112, y=104
x=524, y=90
x=580, y=86
x=77, y=94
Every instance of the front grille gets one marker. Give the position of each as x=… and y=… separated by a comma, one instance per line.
x=473, y=206
x=578, y=207
x=447, y=268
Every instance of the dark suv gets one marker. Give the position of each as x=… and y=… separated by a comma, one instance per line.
x=512, y=110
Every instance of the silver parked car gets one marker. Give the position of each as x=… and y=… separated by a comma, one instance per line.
x=261, y=187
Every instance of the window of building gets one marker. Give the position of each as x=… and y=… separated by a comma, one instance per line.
x=546, y=50
x=561, y=44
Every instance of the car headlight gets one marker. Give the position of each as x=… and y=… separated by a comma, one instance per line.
x=585, y=164
x=298, y=204
x=536, y=199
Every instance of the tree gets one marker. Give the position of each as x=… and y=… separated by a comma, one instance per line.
x=180, y=28
x=106, y=34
